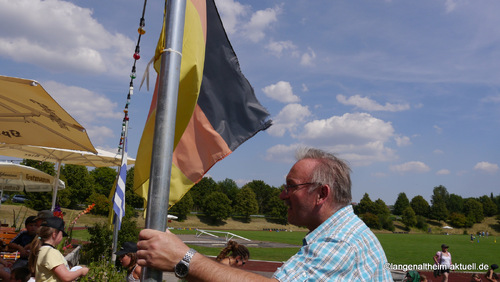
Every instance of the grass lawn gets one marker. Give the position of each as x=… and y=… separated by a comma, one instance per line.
x=420, y=248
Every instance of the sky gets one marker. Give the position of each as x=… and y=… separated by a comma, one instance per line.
x=407, y=92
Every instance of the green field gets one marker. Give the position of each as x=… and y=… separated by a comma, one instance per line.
x=399, y=248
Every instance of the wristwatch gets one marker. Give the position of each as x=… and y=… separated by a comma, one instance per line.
x=182, y=268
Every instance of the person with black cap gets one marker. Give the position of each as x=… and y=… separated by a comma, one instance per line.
x=491, y=275
x=45, y=261
x=128, y=258
x=21, y=243
x=443, y=260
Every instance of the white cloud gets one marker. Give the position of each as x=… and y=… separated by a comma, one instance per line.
x=443, y=172
x=368, y=104
x=438, y=152
x=358, y=137
x=230, y=11
x=402, y=141
x=281, y=91
x=260, y=22
x=308, y=58
x=355, y=128
x=486, y=167
x=289, y=119
x=84, y=105
x=60, y=36
x=438, y=129
x=414, y=166
x=277, y=48
x=282, y=153
x=304, y=88
x=99, y=134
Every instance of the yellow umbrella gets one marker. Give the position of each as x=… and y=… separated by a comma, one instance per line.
x=30, y=116
x=59, y=156
x=15, y=177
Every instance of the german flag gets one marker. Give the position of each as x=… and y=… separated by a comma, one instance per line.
x=216, y=109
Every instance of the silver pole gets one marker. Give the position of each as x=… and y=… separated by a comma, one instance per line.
x=163, y=140
x=56, y=186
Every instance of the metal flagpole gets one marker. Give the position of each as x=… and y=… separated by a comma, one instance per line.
x=56, y=186
x=163, y=140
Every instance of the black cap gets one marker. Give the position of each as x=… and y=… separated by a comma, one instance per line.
x=44, y=214
x=494, y=266
x=55, y=222
x=444, y=246
x=128, y=247
x=30, y=219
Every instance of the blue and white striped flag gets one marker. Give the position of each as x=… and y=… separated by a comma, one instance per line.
x=119, y=198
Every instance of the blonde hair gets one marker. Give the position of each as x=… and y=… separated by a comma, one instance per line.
x=44, y=233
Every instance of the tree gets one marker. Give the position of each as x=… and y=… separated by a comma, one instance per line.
x=79, y=183
x=230, y=188
x=104, y=177
x=439, y=210
x=183, y=207
x=473, y=210
x=276, y=208
x=457, y=220
x=46, y=167
x=421, y=223
x=409, y=218
x=246, y=203
x=102, y=204
x=217, y=206
x=262, y=193
x=365, y=205
x=201, y=190
x=380, y=208
x=371, y=220
x=455, y=204
x=489, y=207
x=401, y=204
x=440, y=193
x=420, y=206
x=131, y=198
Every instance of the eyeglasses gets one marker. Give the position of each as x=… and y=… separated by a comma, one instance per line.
x=288, y=186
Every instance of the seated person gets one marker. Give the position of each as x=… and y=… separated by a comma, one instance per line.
x=490, y=274
x=21, y=243
x=20, y=274
x=234, y=254
x=4, y=270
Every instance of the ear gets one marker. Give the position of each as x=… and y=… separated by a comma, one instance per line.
x=324, y=193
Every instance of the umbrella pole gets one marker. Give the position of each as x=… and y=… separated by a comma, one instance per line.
x=163, y=140
x=56, y=186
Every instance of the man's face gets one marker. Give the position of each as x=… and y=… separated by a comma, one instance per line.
x=31, y=228
x=299, y=200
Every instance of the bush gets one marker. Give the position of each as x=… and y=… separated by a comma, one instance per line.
x=371, y=220
x=422, y=223
x=104, y=270
x=102, y=204
x=99, y=247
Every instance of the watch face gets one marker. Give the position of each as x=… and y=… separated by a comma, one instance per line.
x=181, y=270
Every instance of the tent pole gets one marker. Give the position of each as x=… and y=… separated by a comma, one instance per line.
x=56, y=186
x=163, y=140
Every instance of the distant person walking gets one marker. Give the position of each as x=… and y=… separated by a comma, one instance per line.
x=443, y=260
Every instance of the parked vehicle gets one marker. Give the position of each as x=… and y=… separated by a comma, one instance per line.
x=5, y=198
x=19, y=199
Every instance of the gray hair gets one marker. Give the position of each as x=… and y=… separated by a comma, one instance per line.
x=331, y=171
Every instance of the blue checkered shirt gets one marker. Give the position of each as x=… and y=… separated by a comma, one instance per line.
x=342, y=248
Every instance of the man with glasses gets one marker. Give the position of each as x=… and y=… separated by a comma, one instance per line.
x=338, y=247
